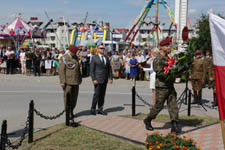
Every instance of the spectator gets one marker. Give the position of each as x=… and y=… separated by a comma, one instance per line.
x=55, y=62
x=10, y=60
x=115, y=62
x=155, y=52
x=28, y=57
x=140, y=58
x=133, y=66
x=84, y=61
x=48, y=62
x=23, y=60
x=127, y=66
x=3, y=59
x=37, y=62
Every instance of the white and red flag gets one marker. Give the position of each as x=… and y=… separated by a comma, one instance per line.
x=217, y=28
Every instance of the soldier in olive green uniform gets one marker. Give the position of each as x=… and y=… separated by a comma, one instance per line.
x=212, y=82
x=165, y=90
x=197, y=76
x=207, y=64
x=70, y=77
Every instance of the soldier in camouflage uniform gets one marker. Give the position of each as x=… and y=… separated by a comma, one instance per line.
x=197, y=76
x=212, y=82
x=70, y=78
x=165, y=90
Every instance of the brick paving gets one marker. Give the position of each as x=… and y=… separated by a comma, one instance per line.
x=208, y=138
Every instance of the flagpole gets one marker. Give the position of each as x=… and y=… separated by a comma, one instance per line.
x=223, y=131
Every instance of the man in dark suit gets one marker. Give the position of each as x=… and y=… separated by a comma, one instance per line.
x=101, y=71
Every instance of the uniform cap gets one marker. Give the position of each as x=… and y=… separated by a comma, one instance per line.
x=164, y=42
x=73, y=48
x=198, y=52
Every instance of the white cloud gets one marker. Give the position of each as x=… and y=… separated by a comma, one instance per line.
x=192, y=11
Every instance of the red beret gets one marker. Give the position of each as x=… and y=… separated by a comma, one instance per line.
x=164, y=42
x=73, y=48
x=198, y=52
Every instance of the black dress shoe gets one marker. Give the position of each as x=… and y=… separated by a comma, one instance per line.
x=174, y=128
x=93, y=111
x=148, y=125
x=101, y=112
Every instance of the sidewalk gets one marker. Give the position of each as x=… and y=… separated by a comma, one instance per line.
x=208, y=138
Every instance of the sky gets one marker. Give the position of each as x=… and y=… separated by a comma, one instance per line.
x=120, y=13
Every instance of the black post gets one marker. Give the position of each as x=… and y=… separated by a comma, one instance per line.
x=67, y=111
x=186, y=92
x=133, y=101
x=189, y=103
x=3, y=135
x=31, y=122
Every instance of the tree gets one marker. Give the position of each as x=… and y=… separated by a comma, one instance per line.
x=203, y=39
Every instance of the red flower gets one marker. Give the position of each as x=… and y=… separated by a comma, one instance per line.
x=170, y=62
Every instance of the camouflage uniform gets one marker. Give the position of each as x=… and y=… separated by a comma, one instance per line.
x=198, y=73
x=212, y=82
x=164, y=90
x=70, y=75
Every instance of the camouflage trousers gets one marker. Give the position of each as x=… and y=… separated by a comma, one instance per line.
x=163, y=95
x=71, y=94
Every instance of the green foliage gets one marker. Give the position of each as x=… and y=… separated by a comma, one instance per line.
x=183, y=61
x=156, y=141
x=203, y=39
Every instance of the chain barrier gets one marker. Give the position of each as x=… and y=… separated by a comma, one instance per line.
x=9, y=143
x=141, y=99
x=48, y=117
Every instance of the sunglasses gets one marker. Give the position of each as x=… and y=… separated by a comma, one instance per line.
x=102, y=48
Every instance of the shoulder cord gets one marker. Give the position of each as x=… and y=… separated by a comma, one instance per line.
x=70, y=66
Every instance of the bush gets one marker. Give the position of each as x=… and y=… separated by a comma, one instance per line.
x=156, y=141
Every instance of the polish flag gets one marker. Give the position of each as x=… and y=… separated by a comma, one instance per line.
x=217, y=28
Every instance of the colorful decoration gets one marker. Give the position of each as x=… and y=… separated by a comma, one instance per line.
x=74, y=36
x=140, y=19
x=19, y=31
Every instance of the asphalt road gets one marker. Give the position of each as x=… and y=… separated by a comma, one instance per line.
x=16, y=91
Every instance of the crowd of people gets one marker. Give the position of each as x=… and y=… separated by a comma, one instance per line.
x=45, y=61
x=27, y=60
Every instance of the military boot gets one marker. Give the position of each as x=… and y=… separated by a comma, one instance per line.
x=215, y=103
x=174, y=128
x=148, y=125
x=200, y=97
x=195, y=98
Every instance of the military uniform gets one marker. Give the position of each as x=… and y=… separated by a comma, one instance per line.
x=212, y=82
x=207, y=64
x=198, y=73
x=70, y=75
x=164, y=90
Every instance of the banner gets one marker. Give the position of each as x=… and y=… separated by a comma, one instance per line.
x=217, y=28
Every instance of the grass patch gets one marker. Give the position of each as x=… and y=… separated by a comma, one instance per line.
x=195, y=121
x=60, y=137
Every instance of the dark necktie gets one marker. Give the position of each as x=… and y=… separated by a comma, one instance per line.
x=103, y=60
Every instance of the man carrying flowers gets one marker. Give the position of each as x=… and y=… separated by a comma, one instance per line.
x=165, y=90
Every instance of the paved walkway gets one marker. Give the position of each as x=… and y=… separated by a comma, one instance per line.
x=208, y=138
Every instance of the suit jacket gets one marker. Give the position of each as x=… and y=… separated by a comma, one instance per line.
x=100, y=71
x=69, y=70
